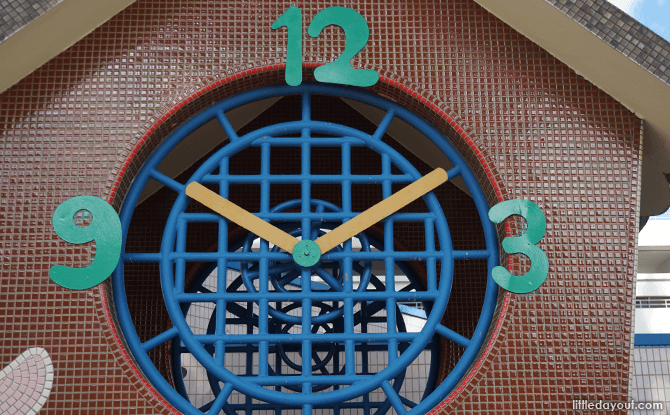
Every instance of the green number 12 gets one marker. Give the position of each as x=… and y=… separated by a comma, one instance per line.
x=340, y=71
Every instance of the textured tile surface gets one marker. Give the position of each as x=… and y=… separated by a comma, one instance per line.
x=547, y=135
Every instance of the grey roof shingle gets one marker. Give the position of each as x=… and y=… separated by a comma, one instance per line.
x=622, y=32
x=16, y=14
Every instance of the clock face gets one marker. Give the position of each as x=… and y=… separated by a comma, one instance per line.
x=258, y=327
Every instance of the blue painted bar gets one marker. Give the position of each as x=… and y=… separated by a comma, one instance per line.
x=381, y=255
x=299, y=178
x=328, y=217
x=264, y=177
x=652, y=339
x=313, y=337
x=283, y=256
x=471, y=254
x=454, y=172
x=393, y=398
x=220, y=400
x=345, y=405
x=180, y=264
x=296, y=296
x=156, y=341
x=299, y=380
x=141, y=257
x=227, y=127
x=452, y=335
x=407, y=402
x=167, y=181
x=384, y=125
x=306, y=105
x=280, y=141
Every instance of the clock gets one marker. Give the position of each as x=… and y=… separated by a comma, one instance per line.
x=306, y=298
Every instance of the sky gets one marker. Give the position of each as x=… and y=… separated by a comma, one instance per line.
x=656, y=231
x=655, y=14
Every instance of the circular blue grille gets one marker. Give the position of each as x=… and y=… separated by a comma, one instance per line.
x=306, y=334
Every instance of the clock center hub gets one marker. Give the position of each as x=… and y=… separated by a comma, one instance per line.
x=306, y=253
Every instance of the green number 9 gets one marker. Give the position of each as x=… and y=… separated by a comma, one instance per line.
x=104, y=229
x=523, y=244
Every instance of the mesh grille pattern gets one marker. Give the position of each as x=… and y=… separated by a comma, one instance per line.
x=467, y=233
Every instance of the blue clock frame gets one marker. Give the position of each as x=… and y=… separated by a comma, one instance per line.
x=264, y=266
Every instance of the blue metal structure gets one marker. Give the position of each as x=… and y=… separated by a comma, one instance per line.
x=294, y=311
x=244, y=315
x=652, y=339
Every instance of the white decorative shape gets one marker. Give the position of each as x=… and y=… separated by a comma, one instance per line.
x=32, y=367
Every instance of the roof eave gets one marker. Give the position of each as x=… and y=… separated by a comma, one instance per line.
x=610, y=70
x=52, y=33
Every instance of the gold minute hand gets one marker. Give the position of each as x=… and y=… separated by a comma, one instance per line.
x=381, y=210
x=236, y=214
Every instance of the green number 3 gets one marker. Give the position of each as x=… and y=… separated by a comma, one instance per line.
x=104, y=229
x=523, y=244
x=340, y=71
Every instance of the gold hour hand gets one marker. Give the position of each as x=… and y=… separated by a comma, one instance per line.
x=381, y=210
x=236, y=214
